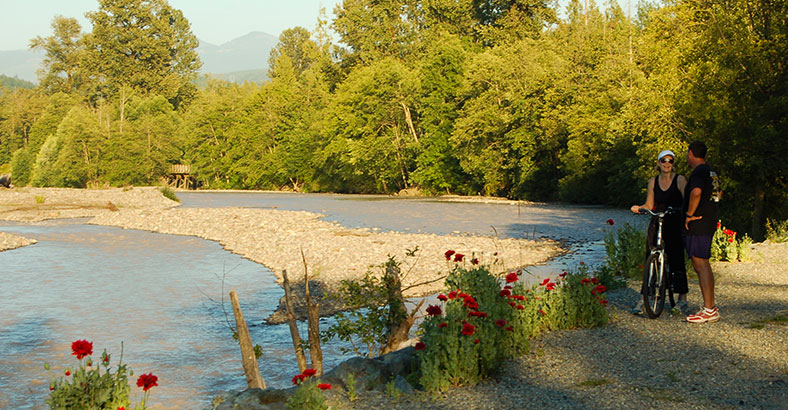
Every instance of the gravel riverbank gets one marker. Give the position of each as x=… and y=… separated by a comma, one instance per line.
x=635, y=362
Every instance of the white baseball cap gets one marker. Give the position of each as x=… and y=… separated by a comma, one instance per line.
x=665, y=153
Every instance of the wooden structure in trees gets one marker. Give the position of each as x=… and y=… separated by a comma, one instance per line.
x=180, y=177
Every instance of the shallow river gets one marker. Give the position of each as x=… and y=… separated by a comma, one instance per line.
x=161, y=295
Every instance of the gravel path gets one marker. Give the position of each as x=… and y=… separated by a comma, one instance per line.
x=636, y=362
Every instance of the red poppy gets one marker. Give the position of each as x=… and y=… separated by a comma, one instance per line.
x=609, y=222
x=545, y=281
x=434, y=310
x=121, y=408
x=468, y=329
x=719, y=224
x=505, y=292
x=542, y=312
x=458, y=257
x=550, y=286
x=463, y=295
x=476, y=341
x=443, y=324
x=594, y=280
x=68, y=372
x=298, y=379
x=51, y=387
x=146, y=381
x=511, y=277
x=518, y=297
x=448, y=254
x=324, y=386
x=730, y=239
x=508, y=287
x=81, y=348
x=562, y=274
x=453, y=294
x=420, y=346
x=512, y=304
x=598, y=289
x=603, y=301
x=310, y=372
x=520, y=307
x=442, y=297
x=509, y=328
x=500, y=323
x=474, y=261
x=585, y=281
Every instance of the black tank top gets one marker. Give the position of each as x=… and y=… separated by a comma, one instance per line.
x=671, y=197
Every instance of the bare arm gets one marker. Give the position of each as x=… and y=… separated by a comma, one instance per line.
x=649, y=198
x=682, y=184
x=694, y=200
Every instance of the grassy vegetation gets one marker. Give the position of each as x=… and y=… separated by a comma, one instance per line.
x=169, y=193
x=778, y=319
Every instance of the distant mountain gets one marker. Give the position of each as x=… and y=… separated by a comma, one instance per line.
x=239, y=60
x=15, y=82
x=21, y=63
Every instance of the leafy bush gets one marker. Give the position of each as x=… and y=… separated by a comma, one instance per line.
x=480, y=323
x=777, y=231
x=744, y=248
x=309, y=395
x=169, y=193
x=625, y=248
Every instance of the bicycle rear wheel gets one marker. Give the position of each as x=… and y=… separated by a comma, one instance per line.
x=654, y=285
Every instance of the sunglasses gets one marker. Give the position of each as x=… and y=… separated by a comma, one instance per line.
x=664, y=160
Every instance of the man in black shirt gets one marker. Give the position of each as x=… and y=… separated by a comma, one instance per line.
x=700, y=206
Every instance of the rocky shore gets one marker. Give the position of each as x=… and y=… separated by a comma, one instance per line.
x=9, y=241
x=277, y=238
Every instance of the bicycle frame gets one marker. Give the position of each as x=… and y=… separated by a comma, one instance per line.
x=658, y=252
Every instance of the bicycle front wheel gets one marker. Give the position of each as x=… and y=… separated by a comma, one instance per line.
x=654, y=285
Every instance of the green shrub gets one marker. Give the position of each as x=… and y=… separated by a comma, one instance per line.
x=480, y=323
x=307, y=397
x=776, y=231
x=169, y=193
x=625, y=248
x=744, y=248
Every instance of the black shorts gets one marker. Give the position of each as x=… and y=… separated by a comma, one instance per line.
x=698, y=246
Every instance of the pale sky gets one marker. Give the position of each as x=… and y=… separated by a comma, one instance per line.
x=213, y=21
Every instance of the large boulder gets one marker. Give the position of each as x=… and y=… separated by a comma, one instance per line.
x=5, y=180
x=370, y=375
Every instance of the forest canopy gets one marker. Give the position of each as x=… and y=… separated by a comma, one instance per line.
x=511, y=98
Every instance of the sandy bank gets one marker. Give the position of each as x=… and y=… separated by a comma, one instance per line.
x=9, y=241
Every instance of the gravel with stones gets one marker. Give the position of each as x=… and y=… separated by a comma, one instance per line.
x=636, y=362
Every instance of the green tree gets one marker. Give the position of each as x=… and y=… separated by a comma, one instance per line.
x=60, y=71
x=143, y=44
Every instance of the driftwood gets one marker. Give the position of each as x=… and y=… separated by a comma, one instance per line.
x=315, y=351
x=252, y=371
x=291, y=320
x=399, y=322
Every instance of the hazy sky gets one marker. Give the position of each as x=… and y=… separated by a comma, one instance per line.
x=213, y=21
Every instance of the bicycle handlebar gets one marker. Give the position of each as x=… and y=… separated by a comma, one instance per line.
x=662, y=214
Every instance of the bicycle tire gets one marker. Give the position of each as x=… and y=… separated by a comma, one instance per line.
x=654, y=286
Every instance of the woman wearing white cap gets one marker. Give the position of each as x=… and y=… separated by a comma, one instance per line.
x=667, y=190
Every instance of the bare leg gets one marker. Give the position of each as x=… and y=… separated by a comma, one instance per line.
x=706, y=279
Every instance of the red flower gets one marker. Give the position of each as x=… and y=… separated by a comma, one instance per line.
x=324, y=386
x=298, y=379
x=511, y=277
x=507, y=287
x=68, y=372
x=442, y=297
x=476, y=341
x=563, y=275
x=603, y=302
x=719, y=224
x=443, y=324
x=512, y=304
x=542, y=312
x=51, y=387
x=121, y=408
x=468, y=329
x=730, y=239
x=518, y=297
x=310, y=372
x=509, y=328
x=434, y=310
x=550, y=286
x=463, y=295
x=453, y=294
x=146, y=381
x=448, y=254
x=594, y=280
x=545, y=281
x=520, y=307
x=598, y=289
x=420, y=346
x=81, y=348
x=585, y=281
x=474, y=261
x=609, y=222
x=500, y=323
x=458, y=257
x=505, y=292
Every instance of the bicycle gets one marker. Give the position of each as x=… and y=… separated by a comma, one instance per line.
x=655, y=279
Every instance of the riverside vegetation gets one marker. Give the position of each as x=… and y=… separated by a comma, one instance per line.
x=506, y=98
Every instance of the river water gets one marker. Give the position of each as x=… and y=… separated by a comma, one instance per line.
x=160, y=296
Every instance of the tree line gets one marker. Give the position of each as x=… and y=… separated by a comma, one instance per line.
x=500, y=97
